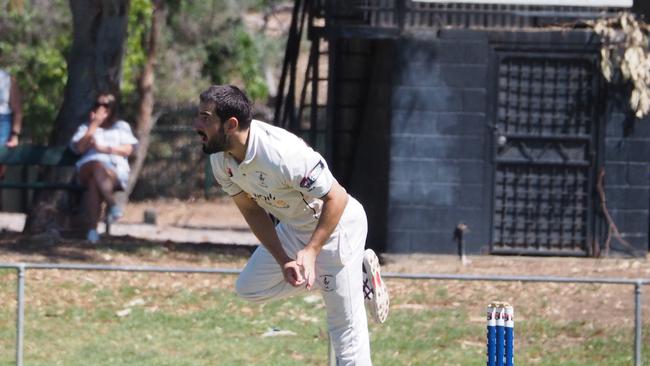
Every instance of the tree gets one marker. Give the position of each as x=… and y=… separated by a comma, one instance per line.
x=94, y=65
x=95, y=60
x=144, y=120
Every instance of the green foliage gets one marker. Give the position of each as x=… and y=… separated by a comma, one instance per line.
x=236, y=57
x=37, y=60
x=248, y=57
x=42, y=79
x=203, y=42
x=625, y=58
x=209, y=43
x=140, y=13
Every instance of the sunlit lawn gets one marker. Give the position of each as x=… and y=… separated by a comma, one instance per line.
x=72, y=319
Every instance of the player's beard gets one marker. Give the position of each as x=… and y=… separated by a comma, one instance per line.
x=216, y=144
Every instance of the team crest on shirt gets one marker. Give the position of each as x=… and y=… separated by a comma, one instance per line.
x=311, y=177
x=280, y=204
x=270, y=200
x=328, y=282
x=261, y=176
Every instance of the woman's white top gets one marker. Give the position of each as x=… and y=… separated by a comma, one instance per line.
x=116, y=135
x=5, y=87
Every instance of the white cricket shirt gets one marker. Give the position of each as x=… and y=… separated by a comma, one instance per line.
x=280, y=172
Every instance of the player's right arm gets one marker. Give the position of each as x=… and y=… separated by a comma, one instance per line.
x=262, y=226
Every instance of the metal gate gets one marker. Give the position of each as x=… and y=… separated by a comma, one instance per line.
x=546, y=130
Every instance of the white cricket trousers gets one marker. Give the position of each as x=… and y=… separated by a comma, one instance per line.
x=338, y=277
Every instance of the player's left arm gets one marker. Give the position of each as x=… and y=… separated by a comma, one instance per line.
x=334, y=203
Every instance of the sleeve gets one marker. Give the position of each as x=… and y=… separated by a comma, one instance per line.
x=307, y=172
x=81, y=131
x=222, y=175
x=126, y=135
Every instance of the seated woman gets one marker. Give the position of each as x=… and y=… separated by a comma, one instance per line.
x=105, y=143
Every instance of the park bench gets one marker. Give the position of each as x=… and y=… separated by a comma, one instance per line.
x=36, y=155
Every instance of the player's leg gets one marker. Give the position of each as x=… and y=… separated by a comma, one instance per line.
x=374, y=288
x=262, y=279
x=339, y=277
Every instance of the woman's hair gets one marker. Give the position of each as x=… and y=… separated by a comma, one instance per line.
x=112, y=104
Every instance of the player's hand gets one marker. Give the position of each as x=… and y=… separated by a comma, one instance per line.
x=306, y=259
x=293, y=274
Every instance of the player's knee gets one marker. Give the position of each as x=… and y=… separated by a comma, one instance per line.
x=244, y=290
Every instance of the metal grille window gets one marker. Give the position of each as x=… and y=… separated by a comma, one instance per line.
x=544, y=161
x=423, y=14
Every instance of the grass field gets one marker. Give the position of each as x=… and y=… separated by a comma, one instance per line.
x=176, y=319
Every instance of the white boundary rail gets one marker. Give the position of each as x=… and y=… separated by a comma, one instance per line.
x=590, y=3
x=22, y=268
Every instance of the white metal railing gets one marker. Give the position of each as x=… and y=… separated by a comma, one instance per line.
x=22, y=268
x=589, y=3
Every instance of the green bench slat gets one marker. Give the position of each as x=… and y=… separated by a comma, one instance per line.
x=33, y=155
x=37, y=155
x=40, y=185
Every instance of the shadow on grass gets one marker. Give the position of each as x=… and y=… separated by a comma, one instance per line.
x=45, y=248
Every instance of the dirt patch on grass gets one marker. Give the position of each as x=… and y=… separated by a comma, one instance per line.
x=217, y=212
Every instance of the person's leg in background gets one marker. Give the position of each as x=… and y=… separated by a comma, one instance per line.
x=5, y=132
x=99, y=182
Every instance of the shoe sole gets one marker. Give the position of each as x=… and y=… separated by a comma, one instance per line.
x=379, y=304
x=113, y=218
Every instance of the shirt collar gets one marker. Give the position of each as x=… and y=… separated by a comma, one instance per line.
x=251, y=149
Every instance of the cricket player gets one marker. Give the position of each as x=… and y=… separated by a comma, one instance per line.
x=319, y=240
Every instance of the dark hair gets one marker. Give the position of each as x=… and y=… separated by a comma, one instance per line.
x=229, y=101
x=112, y=105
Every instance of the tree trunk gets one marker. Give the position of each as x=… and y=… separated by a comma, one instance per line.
x=99, y=34
x=144, y=120
x=95, y=60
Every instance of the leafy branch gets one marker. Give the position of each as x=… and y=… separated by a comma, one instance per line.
x=625, y=58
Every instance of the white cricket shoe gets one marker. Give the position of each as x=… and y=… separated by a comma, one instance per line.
x=374, y=289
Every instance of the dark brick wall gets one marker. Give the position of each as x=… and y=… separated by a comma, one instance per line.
x=440, y=155
x=367, y=173
x=627, y=181
x=642, y=7
x=438, y=145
